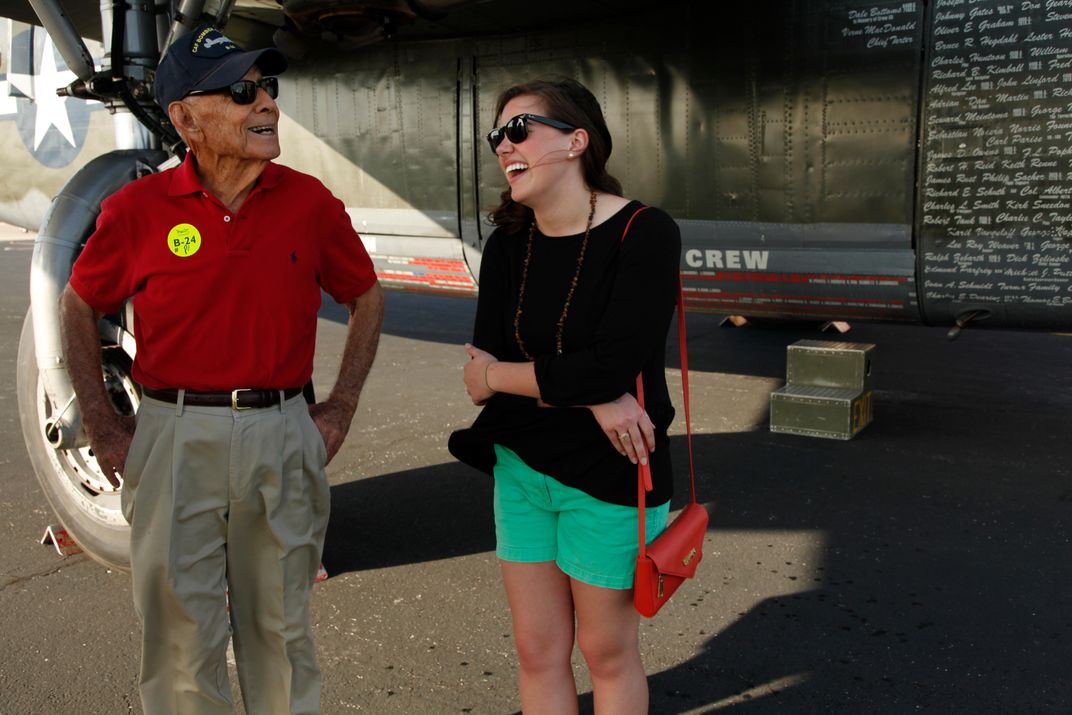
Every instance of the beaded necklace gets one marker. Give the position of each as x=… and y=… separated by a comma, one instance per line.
x=561, y=324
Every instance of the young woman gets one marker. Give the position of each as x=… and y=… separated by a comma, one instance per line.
x=569, y=313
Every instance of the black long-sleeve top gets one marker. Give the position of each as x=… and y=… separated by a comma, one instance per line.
x=616, y=326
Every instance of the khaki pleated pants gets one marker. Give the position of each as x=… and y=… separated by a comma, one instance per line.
x=222, y=500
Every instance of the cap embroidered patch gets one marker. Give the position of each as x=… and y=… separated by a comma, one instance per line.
x=184, y=240
x=210, y=42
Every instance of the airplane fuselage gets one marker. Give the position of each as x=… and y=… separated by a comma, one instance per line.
x=902, y=161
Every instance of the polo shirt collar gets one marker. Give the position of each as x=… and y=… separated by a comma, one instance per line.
x=184, y=181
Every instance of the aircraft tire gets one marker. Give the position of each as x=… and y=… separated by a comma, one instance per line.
x=70, y=478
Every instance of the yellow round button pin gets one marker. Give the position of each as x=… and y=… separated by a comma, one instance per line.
x=183, y=240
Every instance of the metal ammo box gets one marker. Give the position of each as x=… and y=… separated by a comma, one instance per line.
x=827, y=391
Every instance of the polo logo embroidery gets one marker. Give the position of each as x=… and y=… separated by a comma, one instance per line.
x=184, y=240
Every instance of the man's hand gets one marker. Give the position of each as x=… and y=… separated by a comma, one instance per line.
x=110, y=440
x=333, y=420
x=109, y=433
x=334, y=415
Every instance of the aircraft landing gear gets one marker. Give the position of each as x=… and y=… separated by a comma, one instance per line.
x=85, y=502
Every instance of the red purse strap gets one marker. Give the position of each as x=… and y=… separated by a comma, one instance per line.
x=644, y=483
x=644, y=479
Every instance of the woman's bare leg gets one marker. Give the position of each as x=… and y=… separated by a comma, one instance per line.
x=541, y=605
x=607, y=633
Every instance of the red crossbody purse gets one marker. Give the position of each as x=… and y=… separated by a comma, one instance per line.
x=673, y=556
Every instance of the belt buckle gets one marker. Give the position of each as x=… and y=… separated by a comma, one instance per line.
x=234, y=399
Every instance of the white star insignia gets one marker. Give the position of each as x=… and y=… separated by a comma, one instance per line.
x=51, y=108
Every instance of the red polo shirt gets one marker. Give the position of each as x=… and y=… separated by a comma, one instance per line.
x=222, y=300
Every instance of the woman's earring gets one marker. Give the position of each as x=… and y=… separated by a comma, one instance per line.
x=571, y=155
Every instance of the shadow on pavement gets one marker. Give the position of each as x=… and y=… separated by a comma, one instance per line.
x=941, y=578
x=447, y=513
x=942, y=534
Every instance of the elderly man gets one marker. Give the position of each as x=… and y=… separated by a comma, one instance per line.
x=223, y=479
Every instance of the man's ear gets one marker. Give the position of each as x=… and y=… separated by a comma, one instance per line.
x=184, y=120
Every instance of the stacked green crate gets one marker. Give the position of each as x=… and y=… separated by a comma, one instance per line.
x=827, y=391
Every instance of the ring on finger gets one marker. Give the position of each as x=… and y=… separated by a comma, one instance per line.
x=623, y=436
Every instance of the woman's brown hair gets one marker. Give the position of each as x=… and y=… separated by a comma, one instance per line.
x=566, y=100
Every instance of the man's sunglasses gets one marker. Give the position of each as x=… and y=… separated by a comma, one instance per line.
x=517, y=129
x=244, y=91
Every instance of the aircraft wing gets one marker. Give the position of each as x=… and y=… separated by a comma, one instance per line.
x=85, y=16
x=353, y=24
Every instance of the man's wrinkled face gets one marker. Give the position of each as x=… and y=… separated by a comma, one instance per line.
x=236, y=131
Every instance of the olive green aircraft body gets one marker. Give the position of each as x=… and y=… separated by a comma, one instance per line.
x=855, y=160
x=828, y=160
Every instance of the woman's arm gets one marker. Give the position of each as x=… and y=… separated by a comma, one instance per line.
x=639, y=309
x=627, y=426
x=488, y=330
x=488, y=325
x=625, y=423
x=642, y=301
x=485, y=375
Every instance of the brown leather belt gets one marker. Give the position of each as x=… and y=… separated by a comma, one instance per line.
x=235, y=399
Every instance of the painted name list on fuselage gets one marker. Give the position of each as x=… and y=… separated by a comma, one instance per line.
x=995, y=216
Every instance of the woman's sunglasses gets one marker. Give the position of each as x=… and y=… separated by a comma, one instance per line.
x=517, y=129
x=244, y=91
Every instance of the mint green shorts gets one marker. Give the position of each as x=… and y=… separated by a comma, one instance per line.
x=538, y=518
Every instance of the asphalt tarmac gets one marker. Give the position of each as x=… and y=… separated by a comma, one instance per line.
x=924, y=566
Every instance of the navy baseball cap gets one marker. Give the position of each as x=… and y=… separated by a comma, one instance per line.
x=207, y=60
